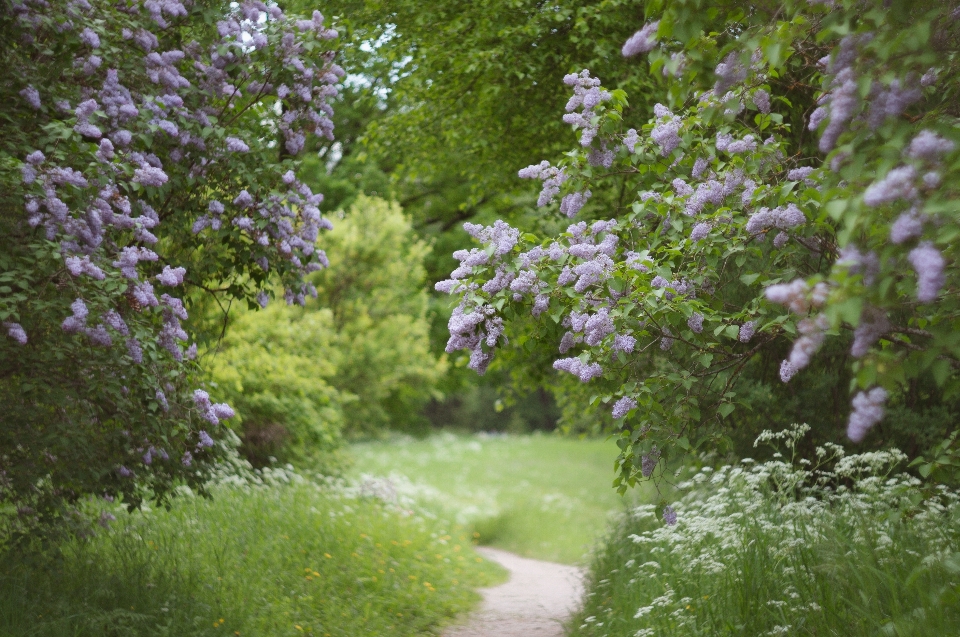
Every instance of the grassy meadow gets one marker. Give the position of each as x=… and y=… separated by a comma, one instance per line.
x=540, y=496
x=293, y=557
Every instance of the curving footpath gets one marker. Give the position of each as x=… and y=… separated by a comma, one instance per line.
x=536, y=600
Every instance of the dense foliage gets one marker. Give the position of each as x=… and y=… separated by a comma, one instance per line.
x=356, y=361
x=147, y=156
x=796, y=182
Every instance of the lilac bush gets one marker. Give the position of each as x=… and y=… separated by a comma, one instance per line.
x=736, y=234
x=149, y=160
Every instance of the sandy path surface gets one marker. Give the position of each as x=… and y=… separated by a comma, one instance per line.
x=535, y=601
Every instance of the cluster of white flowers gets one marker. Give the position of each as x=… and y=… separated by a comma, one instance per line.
x=773, y=516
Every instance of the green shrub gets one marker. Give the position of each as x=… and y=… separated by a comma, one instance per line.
x=356, y=360
x=272, y=367
x=375, y=288
x=284, y=558
x=844, y=547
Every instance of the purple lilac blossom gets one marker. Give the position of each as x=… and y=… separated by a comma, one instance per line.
x=793, y=295
x=135, y=351
x=729, y=72
x=171, y=277
x=574, y=366
x=597, y=327
x=682, y=188
x=695, y=323
x=929, y=265
x=143, y=295
x=150, y=176
x=867, y=411
x=699, y=167
x=16, y=332
x=782, y=217
x=78, y=320
x=909, y=225
x=623, y=343
x=89, y=37
x=896, y=184
x=552, y=179
x=700, y=231
x=787, y=371
x=113, y=319
x=600, y=157
x=205, y=440
x=865, y=264
x=891, y=101
x=162, y=399
x=571, y=204
x=747, y=330
x=669, y=515
x=812, y=332
x=762, y=99
x=82, y=265
x=32, y=96
x=929, y=146
x=623, y=406
x=588, y=95
x=631, y=140
x=642, y=41
x=666, y=132
x=236, y=145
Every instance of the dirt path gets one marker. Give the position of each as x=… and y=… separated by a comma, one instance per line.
x=535, y=601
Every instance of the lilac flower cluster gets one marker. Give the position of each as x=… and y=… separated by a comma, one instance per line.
x=896, y=184
x=700, y=231
x=587, y=95
x=552, y=178
x=729, y=72
x=211, y=412
x=909, y=225
x=929, y=146
x=867, y=411
x=585, y=372
x=642, y=41
x=669, y=516
x=623, y=406
x=842, y=100
x=16, y=332
x=727, y=144
x=747, y=330
x=929, y=265
x=782, y=217
x=666, y=130
x=812, y=332
x=762, y=99
x=798, y=296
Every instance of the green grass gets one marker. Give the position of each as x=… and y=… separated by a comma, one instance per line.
x=297, y=559
x=539, y=496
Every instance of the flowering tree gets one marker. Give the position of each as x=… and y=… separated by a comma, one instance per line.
x=798, y=181
x=148, y=153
